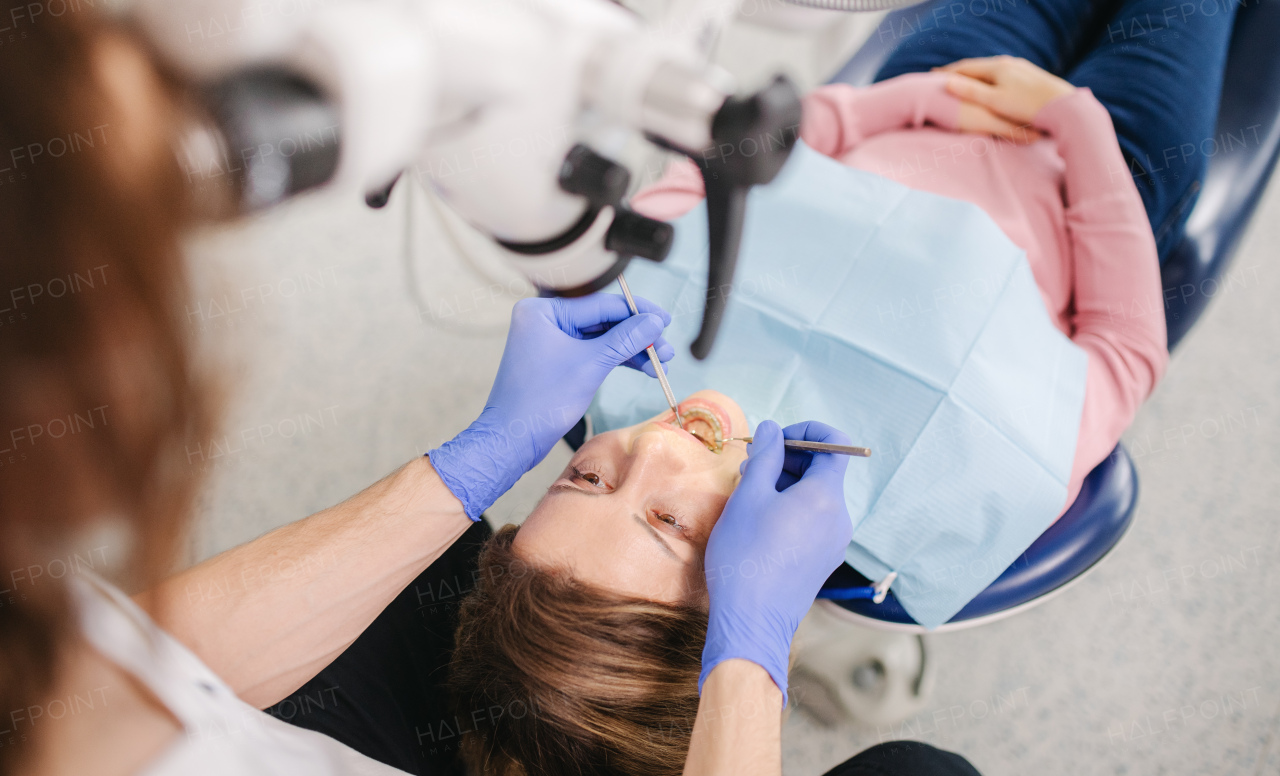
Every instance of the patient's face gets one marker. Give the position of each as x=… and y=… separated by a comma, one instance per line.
x=633, y=510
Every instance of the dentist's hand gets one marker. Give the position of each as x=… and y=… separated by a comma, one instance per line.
x=558, y=353
x=782, y=533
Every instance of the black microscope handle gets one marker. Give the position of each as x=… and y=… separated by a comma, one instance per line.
x=752, y=138
x=726, y=216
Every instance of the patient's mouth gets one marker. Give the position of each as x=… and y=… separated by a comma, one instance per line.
x=705, y=426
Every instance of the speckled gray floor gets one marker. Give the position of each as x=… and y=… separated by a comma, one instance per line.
x=1165, y=660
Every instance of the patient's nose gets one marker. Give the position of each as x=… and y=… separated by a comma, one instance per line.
x=659, y=450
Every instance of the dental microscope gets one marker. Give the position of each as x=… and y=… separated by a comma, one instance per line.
x=298, y=94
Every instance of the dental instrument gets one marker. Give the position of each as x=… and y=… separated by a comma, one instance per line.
x=653, y=356
x=814, y=447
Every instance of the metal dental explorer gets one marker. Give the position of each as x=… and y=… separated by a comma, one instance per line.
x=653, y=356
x=815, y=447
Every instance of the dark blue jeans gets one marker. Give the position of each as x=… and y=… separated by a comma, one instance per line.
x=1156, y=65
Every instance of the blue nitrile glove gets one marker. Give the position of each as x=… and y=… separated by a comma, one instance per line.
x=558, y=353
x=782, y=533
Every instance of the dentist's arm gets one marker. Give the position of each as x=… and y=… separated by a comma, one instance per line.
x=738, y=731
x=787, y=522
x=268, y=615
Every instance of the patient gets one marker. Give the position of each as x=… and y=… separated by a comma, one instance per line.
x=591, y=615
x=588, y=621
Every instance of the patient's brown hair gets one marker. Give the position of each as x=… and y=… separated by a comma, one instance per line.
x=566, y=678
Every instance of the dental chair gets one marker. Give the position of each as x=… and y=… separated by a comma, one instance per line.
x=882, y=679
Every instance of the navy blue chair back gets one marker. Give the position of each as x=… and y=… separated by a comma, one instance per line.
x=1243, y=156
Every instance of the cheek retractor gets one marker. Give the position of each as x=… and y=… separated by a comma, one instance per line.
x=705, y=426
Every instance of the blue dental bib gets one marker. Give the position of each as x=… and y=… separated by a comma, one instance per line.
x=909, y=321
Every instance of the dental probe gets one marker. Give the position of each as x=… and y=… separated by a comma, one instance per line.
x=653, y=355
x=815, y=447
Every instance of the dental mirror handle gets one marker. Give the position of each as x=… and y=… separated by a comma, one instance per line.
x=815, y=447
x=653, y=355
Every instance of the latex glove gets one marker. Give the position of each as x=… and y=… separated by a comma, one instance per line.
x=782, y=533
x=558, y=353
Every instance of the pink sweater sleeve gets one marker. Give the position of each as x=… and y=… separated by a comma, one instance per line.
x=836, y=118
x=1118, y=309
